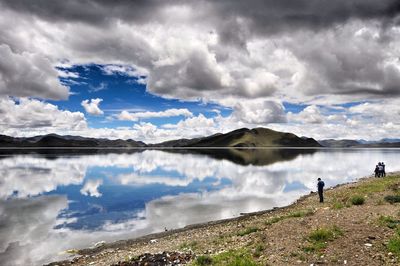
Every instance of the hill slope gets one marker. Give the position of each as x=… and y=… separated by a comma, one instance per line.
x=54, y=140
x=244, y=137
x=346, y=143
x=257, y=137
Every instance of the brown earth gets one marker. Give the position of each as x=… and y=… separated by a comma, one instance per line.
x=357, y=234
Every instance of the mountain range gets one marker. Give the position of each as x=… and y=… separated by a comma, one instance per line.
x=240, y=138
x=258, y=137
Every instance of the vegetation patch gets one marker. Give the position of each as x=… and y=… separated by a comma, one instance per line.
x=377, y=185
x=395, y=187
x=228, y=258
x=357, y=200
x=203, y=260
x=189, y=245
x=247, y=231
x=392, y=198
x=302, y=213
x=259, y=248
x=389, y=221
x=297, y=214
x=337, y=205
x=394, y=245
x=319, y=238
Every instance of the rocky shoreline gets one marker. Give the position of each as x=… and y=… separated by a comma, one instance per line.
x=356, y=225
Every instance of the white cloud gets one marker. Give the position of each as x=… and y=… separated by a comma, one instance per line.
x=125, y=115
x=29, y=74
x=259, y=112
x=216, y=52
x=124, y=70
x=31, y=221
x=311, y=114
x=91, y=188
x=32, y=176
x=102, y=86
x=191, y=123
x=30, y=114
x=92, y=106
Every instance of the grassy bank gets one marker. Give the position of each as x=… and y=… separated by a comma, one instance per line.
x=359, y=223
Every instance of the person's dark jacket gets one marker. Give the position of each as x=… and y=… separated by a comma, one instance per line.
x=321, y=185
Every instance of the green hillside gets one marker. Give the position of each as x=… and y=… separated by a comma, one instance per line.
x=257, y=137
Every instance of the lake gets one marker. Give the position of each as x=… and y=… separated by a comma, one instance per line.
x=51, y=201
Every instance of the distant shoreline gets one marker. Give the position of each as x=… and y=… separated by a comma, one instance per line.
x=199, y=148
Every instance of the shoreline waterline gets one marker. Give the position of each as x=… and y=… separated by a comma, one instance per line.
x=145, y=240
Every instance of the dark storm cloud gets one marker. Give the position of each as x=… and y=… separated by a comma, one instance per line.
x=247, y=59
x=263, y=15
x=274, y=15
x=90, y=11
x=28, y=74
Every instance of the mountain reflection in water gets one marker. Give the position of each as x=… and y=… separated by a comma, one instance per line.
x=57, y=201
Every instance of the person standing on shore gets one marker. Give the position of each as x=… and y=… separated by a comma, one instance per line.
x=321, y=185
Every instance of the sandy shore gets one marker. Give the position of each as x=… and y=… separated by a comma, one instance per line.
x=336, y=232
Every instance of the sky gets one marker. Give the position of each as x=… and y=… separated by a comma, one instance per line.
x=159, y=70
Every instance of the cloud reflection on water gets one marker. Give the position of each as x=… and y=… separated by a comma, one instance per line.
x=186, y=188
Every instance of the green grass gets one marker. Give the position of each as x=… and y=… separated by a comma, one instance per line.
x=337, y=205
x=228, y=258
x=394, y=245
x=189, y=245
x=274, y=220
x=392, y=198
x=247, y=231
x=395, y=187
x=203, y=261
x=388, y=221
x=318, y=238
x=317, y=246
x=377, y=185
x=258, y=250
x=357, y=200
x=325, y=234
x=296, y=214
x=366, y=188
x=390, y=182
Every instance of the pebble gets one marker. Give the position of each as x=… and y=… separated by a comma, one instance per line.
x=368, y=244
x=99, y=244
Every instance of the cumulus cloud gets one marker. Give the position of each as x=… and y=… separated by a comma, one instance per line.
x=247, y=52
x=32, y=176
x=92, y=106
x=27, y=114
x=259, y=112
x=125, y=115
x=227, y=52
x=310, y=114
x=25, y=221
x=91, y=188
x=29, y=74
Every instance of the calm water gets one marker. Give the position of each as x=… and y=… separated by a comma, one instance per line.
x=51, y=203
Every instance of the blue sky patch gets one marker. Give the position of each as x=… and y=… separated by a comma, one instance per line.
x=122, y=92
